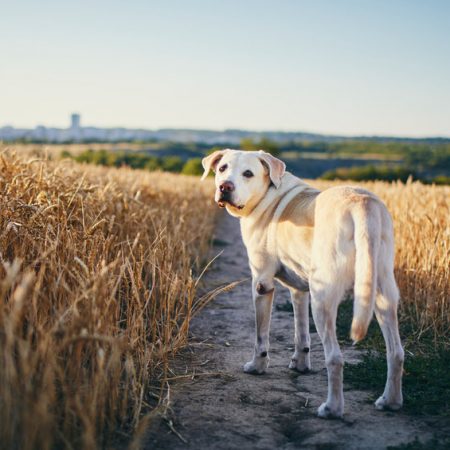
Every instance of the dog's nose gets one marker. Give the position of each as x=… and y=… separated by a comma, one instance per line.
x=226, y=186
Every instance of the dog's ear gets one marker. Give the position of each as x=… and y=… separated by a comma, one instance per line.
x=275, y=166
x=210, y=162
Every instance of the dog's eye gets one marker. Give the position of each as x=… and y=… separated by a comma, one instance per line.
x=248, y=174
x=223, y=168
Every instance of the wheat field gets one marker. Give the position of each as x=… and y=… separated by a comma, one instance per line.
x=98, y=283
x=421, y=217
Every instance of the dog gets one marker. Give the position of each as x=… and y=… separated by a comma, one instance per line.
x=319, y=245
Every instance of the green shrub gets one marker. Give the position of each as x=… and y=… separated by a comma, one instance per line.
x=100, y=157
x=263, y=144
x=441, y=179
x=193, y=167
x=153, y=164
x=66, y=154
x=172, y=164
x=369, y=173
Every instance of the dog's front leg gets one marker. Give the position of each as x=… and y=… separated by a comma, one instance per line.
x=263, y=290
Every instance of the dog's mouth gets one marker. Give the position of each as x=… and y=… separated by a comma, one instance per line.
x=223, y=202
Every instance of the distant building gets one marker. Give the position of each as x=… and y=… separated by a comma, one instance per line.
x=75, y=120
x=75, y=133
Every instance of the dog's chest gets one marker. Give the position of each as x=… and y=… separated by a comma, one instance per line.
x=283, y=250
x=296, y=279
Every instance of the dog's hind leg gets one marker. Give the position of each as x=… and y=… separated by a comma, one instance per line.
x=325, y=297
x=263, y=289
x=301, y=359
x=386, y=313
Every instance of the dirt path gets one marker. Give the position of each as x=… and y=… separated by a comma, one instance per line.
x=277, y=410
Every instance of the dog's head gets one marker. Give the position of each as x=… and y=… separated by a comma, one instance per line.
x=242, y=178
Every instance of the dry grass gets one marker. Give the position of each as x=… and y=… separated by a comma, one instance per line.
x=97, y=291
x=421, y=217
x=422, y=230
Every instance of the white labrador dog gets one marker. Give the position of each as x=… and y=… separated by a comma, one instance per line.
x=318, y=244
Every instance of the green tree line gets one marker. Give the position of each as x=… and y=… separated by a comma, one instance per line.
x=429, y=162
x=137, y=160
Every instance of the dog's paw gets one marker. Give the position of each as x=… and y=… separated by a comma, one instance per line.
x=383, y=404
x=300, y=363
x=326, y=412
x=257, y=366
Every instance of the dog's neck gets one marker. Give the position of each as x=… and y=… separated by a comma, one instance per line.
x=277, y=200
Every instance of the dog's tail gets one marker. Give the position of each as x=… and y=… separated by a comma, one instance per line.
x=367, y=223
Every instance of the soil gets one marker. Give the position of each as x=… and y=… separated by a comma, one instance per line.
x=220, y=407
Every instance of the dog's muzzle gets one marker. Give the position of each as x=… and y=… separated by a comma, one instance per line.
x=226, y=191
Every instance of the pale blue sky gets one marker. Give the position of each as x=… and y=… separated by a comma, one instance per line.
x=342, y=66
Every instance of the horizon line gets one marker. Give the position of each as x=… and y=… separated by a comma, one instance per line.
x=248, y=130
